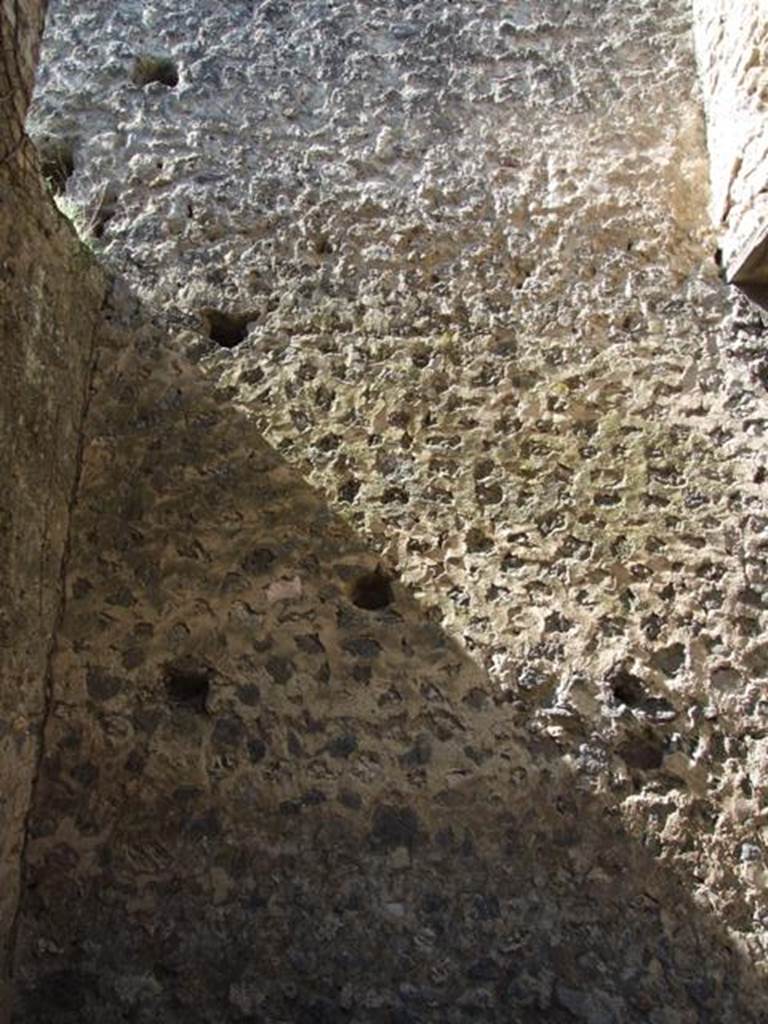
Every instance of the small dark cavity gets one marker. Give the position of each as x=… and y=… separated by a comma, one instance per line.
x=372, y=591
x=644, y=752
x=348, y=490
x=226, y=329
x=627, y=689
x=155, y=68
x=188, y=683
x=57, y=162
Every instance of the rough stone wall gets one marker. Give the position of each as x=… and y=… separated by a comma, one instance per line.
x=49, y=298
x=261, y=802
x=732, y=43
x=21, y=22
x=470, y=242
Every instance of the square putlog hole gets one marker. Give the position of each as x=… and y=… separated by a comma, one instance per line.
x=188, y=684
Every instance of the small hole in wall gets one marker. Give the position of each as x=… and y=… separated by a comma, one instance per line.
x=57, y=163
x=372, y=591
x=188, y=683
x=154, y=68
x=226, y=329
x=627, y=689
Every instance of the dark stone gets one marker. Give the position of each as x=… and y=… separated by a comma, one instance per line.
x=343, y=746
x=281, y=669
x=101, y=685
x=208, y=824
x=750, y=597
x=652, y=626
x=257, y=750
x=669, y=660
x=702, y=991
x=348, y=490
x=81, y=587
x=395, y=826
x=477, y=699
x=478, y=541
x=290, y=807
x=573, y=1000
x=484, y=969
x=249, y=694
x=255, y=901
x=362, y=674
x=756, y=660
x=434, y=904
x=310, y=643
x=488, y=907
x=146, y=720
x=136, y=761
x=445, y=838
x=350, y=799
x=401, y=1015
x=228, y=732
x=420, y=753
x=258, y=561
x=556, y=623
x=363, y=647
x=133, y=657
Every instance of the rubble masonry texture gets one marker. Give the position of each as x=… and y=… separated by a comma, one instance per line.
x=49, y=298
x=488, y=348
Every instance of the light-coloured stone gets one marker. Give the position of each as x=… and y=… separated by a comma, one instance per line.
x=732, y=45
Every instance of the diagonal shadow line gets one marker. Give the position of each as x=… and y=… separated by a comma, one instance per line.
x=259, y=802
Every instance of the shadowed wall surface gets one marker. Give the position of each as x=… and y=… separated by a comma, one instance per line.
x=49, y=299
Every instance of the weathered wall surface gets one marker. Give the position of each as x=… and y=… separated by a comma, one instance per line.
x=262, y=802
x=471, y=244
x=22, y=23
x=49, y=299
x=732, y=45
